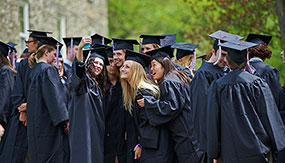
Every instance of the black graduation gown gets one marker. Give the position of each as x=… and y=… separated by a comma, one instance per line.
x=173, y=109
x=243, y=119
x=46, y=113
x=202, y=80
x=7, y=79
x=67, y=75
x=114, y=141
x=281, y=155
x=270, y=75
x=155, y=140
x=86, y=118
x=13, y=146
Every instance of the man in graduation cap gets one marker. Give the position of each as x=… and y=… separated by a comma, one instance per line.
x=150, y=42
x=120, y=46
x=14, y=147
x=257, y=56
x=209, y=71
x=32, y=43
x=243, y=122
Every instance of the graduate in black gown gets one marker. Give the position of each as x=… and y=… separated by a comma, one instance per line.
x=13, y=148
x=114, y=141
x=244, y=124
x=154, y=141
x=209, y=71
x=120, y=46
x=173, y=107
x=7, y=79
x=86, y=108
x=257, y=56
x=47, y=115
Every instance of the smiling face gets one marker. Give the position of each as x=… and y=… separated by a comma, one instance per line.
x=223, y=60
x=96, y=65
x=156, y=70
x=126, y=70
x=119, y=57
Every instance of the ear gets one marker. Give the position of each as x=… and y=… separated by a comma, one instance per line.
x=46, y=53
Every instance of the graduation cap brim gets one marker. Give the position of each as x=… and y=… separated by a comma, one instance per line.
x=165, y=51
x=140, y=58
x=237, y=50
x=151, y=39
x=202, y=56
x=38, y=33
x=4, y=48
x=96, y=52
x=48, y=41
x=258, y=38
x=169, y=39
x=67, y=41
x=124, y=44
x=98, y=39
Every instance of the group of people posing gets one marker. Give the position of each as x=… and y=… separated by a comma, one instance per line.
x=107, y=103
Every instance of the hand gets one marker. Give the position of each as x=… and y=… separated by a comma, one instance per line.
x=66, y=127
x=138, y=152
x=22, y=107
x=2, y=130
x=85, y=40
x=23, y=117
x=141, y=102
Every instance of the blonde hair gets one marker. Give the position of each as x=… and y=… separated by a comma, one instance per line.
x=138, y=80
x=39, y=53
x=185, y=61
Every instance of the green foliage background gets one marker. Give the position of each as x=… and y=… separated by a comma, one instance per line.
x=194, y=20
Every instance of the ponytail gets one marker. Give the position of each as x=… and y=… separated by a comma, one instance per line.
x=33, y=59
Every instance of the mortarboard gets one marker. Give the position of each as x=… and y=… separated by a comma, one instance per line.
x=165, y=51
x=99, y=52
x=140, y=58
x=6, y=49
x=184, y=49
x=152, y=39
x=38, y=33
x=237, y=50
x=74, y=40
x=258, y=38
x=98, y=39
x=109, y=51
x=12, y=44
x=202, y=57
x=124, y=44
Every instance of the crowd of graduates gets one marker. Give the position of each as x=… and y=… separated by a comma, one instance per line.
x=106, y=103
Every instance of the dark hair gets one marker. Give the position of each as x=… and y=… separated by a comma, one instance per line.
x=260, y=51
x=235, y=66
x=169, y=67
x=100, y=79
x=4, y=61
x=39, y=53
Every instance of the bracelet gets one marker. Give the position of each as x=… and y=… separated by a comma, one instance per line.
x=139, y=146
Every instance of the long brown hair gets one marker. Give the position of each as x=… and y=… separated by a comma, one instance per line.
x=169, y=67
x=4, y=61
x=39, y=53
x=261, y=51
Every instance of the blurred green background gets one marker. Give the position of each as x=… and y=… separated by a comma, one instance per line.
x=194, y=20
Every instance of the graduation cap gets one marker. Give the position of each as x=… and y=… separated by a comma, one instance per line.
x=109, y=51
x=184, y=49
x=71, y=41
x=140, y=58
x=6, y=49
x=99, y=52
x=258, y=38
x=169, y=39
x=237, y=50
x=124, y=44
x=165, y=51
x=12, y=44
x=202, y=57
x=98, y=39
x=38, y=33
x=151, y=39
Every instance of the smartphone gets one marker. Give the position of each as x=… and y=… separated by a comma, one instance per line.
x=87, y=46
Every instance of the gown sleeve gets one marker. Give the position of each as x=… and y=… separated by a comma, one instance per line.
x=272, y=78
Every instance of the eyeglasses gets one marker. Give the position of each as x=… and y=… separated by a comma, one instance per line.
x=27, y=42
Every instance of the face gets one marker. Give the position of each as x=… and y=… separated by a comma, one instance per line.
x=119, y=57
x=283, y=56
x=111, y=68
x=32, y=44
x=223, y=60
x=75, y=50
x=97, y=66
x=147, y=47
x=60, y=62
x=51, y=57
x=126, y=71
x=156, y=70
